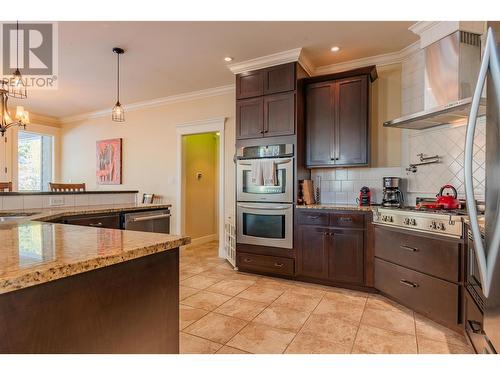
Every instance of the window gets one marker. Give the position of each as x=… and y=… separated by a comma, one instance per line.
x=34, y=160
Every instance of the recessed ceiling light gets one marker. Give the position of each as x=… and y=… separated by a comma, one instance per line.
x=228, y=59
x=335, y=49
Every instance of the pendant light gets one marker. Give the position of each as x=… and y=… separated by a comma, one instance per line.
x=17, y=89
x=117, y=114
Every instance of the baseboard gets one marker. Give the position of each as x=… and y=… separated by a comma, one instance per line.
x=204, y=239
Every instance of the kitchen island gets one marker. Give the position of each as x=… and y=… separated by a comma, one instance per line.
x=74, y=289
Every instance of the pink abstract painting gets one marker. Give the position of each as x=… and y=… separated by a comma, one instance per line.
x=109, y=161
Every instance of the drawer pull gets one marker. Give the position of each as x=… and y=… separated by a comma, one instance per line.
x=278, y=265
x=408, y=283
x=95, y=224
x=313, y=217
x=409, y=248
x=247, y=260
x=475, y=327
x=345, y=220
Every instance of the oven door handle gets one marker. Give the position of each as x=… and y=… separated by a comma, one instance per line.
x=277, y=162
x=486, y=258
x=264, y=208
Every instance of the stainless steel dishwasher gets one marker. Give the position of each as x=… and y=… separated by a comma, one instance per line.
x=148, y=221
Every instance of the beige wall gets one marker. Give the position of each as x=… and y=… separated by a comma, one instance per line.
x=149, y=147
x=386, y=105
x=199, y=155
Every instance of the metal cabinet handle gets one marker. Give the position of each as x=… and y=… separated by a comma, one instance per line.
x=409, y=248
x=247, y=260
x=485, y=262
x=151, y=217
x=313, y=217
x=278, y=265
x=95, y=225
x=345, y=220
x=408, y=283
x=475, y=327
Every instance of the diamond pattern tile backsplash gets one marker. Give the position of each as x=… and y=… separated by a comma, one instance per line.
x=448, y=142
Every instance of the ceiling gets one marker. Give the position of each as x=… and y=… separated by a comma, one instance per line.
x=168, y=58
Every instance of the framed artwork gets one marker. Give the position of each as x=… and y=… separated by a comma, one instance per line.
x=109, y=161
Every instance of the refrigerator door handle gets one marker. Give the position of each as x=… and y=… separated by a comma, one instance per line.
x=486, y=259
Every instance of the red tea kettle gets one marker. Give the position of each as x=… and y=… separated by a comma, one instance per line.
x=448, y=202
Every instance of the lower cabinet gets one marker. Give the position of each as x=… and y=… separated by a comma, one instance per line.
x=331, y=253
x=98, y=220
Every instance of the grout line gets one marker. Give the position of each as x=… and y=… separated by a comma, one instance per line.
x=359, y=325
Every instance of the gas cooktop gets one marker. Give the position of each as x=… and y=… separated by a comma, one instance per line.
x=441, y=222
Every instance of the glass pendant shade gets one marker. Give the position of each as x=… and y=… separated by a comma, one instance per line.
x=17, y=89
x=118, y=114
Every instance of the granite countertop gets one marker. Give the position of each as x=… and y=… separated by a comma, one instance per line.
x=68, y=192
x=338, y=207
x=481, y=221
x=35, y=252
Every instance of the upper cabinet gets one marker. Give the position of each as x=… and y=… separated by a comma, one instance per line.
x=337, y=122
x=266, y=102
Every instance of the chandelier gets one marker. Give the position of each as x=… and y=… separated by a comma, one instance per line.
x=22, y=117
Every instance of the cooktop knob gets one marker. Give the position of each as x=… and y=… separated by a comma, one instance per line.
x=441, y=226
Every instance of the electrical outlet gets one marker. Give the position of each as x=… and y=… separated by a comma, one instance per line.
x=56, y=201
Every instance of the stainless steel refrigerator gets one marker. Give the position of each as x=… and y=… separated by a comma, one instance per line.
x=487, y=251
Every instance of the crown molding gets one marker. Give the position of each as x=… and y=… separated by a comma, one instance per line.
x=378, y=60
x=306, y=63
x=266, y=61
x=193, y=95
x=44, y=120
x=431, y=31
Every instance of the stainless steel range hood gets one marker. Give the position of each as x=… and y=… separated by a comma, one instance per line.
x=451, y=69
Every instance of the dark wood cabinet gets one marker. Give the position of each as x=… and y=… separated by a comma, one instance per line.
x=320, y=124
x=249, y=118
x=279, y=114
x=313, y=257
x=345, y=256
x=250, y=84
x=337, y=122
x=333, y=250
x=279, y=78
x=266, y=102
x=99, y=220
x=351, y=123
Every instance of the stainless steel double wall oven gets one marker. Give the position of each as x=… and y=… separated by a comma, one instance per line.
x=265, y=211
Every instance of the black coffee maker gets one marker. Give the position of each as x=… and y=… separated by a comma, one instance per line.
x=392, y=195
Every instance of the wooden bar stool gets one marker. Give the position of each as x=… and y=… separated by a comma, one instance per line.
x=5, y=186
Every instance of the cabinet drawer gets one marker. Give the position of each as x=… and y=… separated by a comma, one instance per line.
x=347, y=220
x=265, y=263
x=98, y=221
x=428, y=295
x=308, y=217
x=473, y=322
x=437, y=257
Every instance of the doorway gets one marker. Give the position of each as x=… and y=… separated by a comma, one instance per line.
x=200, y=195
x=205, y=129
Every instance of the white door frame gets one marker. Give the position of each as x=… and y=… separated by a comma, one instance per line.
x=198, y=127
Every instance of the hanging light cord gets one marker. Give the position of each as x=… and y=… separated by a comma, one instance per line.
x=17, y=44
x=118, y=78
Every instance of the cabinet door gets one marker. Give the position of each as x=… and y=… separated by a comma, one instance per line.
x=345, y=256
x=313, y=251
x=279, y=114
x=249, y=118
x=250, y=84
x=320, y=124
x=279, y=78
x=351, y=121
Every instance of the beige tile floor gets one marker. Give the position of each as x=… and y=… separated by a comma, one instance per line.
x=224, y=311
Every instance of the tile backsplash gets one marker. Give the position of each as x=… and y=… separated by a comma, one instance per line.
x=341, y=186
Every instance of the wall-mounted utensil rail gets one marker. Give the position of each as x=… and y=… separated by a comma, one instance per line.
x=486, y=259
